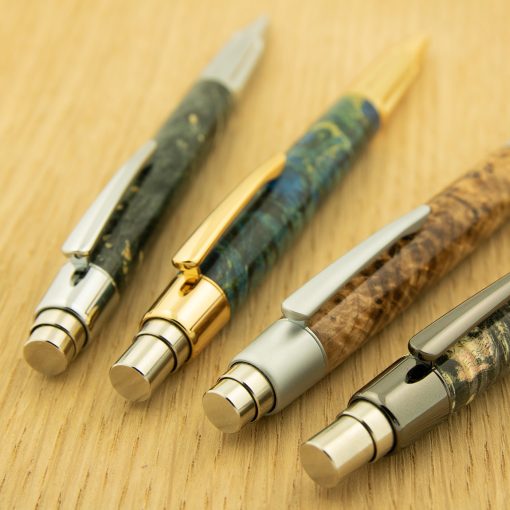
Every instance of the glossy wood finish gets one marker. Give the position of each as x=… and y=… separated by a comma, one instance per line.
x=461, y=218
x=315, y=163
x=480, y=358
x=83, y=83
x=183, y=142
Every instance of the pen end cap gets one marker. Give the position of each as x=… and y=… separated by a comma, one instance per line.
x=318, y=465
x=229, y=406
x=337, y=451
x=130, y=383
x=49, y=350
x=142, y=368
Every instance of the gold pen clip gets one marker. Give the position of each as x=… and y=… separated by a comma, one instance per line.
x=433, y=341
x=202, y=241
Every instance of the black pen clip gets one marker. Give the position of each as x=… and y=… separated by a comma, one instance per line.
x=433, y=341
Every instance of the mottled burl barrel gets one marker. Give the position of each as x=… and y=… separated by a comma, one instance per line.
x=464, y=214
x=478, y=359
x=265, y=228
x=183, y=141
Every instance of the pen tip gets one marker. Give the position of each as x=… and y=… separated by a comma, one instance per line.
x=259, y=26
x=385, y=81
x=417, y=45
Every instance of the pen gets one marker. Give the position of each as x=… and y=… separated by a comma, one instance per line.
x=235, y=247
x=451, y=361
x=339, y=309
x=110, y=238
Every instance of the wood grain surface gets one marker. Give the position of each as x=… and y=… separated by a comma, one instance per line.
x=82, y=84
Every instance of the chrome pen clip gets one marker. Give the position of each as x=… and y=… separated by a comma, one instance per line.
x=84, y=237
x=433, y=341
x=202, y=241
x=303, y=303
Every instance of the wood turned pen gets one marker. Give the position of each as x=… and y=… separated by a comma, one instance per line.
x=235, y=247
x=337, y=311
x=108, y=242
x=450, y=363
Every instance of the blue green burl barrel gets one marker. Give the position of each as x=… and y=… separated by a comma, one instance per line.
x=183, y=142
x=272, y=220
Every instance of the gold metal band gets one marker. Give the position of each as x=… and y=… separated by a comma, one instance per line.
x=200, y=310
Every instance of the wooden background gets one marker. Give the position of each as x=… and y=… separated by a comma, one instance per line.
x=82, y=84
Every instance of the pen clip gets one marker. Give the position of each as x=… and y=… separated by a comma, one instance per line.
x=303, y=303
x=84, y=237
x=202, y=241
x=433, y=341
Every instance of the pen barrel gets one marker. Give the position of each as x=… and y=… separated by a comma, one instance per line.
x=478, y=359
x=265, y=228
x=464, y=214
x=183, y=140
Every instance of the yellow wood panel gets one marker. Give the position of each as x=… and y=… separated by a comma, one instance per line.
x=82, y=84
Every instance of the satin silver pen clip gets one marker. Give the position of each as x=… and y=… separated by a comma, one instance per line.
x=81, y=290
x=437, y=338
x=261, y=380
x=303, y=303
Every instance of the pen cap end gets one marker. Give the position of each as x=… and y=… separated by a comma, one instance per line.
x=241, y=396
x=229, y=406
x=159, y=349
x=336, y=451
x=130, y=383
x=361, y=434
x=56, y=338
x=49, y=350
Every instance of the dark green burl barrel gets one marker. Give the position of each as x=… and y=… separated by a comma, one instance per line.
x=265, y=228
x=183, y=141
x=478, y=359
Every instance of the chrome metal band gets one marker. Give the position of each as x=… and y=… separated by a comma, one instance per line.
x=252, y=380
x=84, y=297
x=376, y=423
x=70, y=330
x=172, y=336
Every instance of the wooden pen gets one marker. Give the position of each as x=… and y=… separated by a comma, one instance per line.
x=350, y=301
